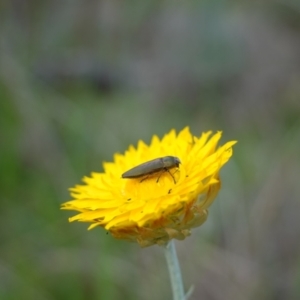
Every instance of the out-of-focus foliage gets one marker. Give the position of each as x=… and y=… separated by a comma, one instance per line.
x=81, y=80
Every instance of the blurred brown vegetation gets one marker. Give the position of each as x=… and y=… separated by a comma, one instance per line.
x=81, y=80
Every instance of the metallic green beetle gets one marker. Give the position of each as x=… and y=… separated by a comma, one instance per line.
x=162, y=164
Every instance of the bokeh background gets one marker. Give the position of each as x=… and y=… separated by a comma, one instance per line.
x=81, y=80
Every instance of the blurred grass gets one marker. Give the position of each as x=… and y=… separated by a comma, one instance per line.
x=80, y=82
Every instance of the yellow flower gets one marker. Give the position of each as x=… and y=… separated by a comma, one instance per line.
x=159, y=207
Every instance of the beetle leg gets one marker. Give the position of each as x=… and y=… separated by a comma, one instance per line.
x=144, y=178
x=159, y=176
x=171, y=175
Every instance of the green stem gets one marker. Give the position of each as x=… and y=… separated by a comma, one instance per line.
x=174, y=270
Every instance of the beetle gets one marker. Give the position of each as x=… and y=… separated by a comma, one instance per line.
x=162, y=164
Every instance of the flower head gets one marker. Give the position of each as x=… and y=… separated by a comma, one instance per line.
x=156, y=206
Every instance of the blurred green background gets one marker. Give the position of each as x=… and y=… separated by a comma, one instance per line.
x=81, y=80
